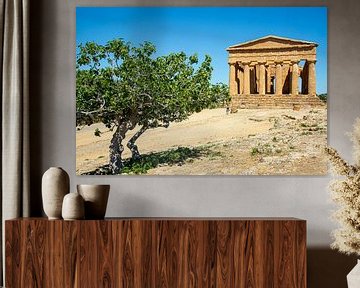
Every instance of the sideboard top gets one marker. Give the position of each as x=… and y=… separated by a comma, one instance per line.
x=174, y=219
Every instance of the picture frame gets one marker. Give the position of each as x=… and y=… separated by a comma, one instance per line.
x=175, y=122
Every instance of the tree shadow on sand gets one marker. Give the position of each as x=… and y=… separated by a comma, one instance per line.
x=177, y=156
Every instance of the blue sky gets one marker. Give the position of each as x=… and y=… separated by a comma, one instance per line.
x=205, y=30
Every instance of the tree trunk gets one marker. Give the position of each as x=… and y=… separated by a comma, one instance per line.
x=116, y=148
x=131, y=143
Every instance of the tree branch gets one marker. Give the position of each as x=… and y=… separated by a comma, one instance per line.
x=131, y=143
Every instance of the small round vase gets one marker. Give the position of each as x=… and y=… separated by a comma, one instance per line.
x=96, y=198
x=73, y=207
x=55, y=185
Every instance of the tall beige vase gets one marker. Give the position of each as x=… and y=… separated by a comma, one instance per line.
x=55, y=185
x=96, y=198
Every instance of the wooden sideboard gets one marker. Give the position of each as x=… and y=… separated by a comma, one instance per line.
x=156, y=252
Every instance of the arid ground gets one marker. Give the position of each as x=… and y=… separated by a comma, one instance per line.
x=249, y=142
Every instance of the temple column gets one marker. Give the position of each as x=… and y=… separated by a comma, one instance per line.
x=232, y=79
x=240, y=79
x=246, y=78
x=294, y=90
x=255, y=80
x=262, y=83
x=311, y=77
x=268, y=79
x=278, y=76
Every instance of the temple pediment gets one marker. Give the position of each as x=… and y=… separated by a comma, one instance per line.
x=271, y=42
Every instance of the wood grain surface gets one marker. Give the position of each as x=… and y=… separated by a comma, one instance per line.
x=241, y=253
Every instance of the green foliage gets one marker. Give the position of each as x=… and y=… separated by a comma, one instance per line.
x=117, y=82
x=305, y=133
x=265, y=149
x=255, y=151
x=218, y=96
x=307, y=125
x=308, y=128
x=97, y=132
x=170, y=157
x=323, y=97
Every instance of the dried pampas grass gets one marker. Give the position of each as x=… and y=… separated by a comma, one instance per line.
x=345, y=191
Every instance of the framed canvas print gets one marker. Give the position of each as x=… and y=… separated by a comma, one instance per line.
x=201, y=90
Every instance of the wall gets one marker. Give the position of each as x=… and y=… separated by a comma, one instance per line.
x=52, y=76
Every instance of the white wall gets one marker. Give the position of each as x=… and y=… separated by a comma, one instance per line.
x=53, y=120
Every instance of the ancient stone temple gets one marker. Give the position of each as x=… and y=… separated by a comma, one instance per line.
x=273, y=72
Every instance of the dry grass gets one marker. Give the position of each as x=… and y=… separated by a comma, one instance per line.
x=250, y=142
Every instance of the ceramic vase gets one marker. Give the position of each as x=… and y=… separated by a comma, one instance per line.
x=55, y=185
x=73, y=207
x=96, y=198
x=353, y=278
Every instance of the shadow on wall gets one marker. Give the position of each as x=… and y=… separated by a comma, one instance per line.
x=328, y=268
x=37, y=39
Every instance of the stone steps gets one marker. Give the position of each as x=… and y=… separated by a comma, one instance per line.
x=255, y=101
